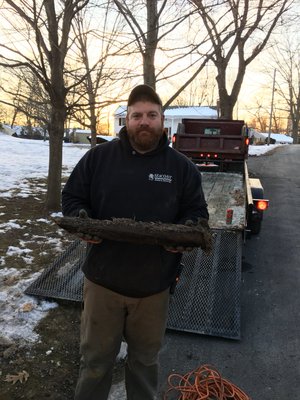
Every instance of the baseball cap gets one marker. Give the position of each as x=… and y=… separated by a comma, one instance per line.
x=143, y=92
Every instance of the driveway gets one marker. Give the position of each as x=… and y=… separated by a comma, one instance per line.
x=265, y=363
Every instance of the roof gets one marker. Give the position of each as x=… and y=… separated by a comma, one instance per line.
x=121, y=111
x=82, y=131
x=191, y=112
x=179, y=111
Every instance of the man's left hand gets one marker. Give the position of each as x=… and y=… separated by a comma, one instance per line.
x=178, y=249
x=189, y=222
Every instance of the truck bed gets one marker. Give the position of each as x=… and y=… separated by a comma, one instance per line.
x=225, y=191
x=224, y=141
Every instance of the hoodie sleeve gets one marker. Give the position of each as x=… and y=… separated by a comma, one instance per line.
x=193, y=204
x=76, y=193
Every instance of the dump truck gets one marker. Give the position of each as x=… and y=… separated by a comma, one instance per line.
x=206, y=297
x=219, y=147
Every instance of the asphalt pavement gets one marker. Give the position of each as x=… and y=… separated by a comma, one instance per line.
x=265, y=363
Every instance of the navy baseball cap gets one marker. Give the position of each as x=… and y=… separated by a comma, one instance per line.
x=143, y=93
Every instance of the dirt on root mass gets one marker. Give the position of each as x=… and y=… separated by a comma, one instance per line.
x=52, y=363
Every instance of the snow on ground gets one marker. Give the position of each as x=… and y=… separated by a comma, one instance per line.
x=19, y=313
x=260, y=150
x=21, y=160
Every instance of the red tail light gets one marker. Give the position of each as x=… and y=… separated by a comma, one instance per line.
x=173, y=139
x=229, y=215
x=247, y=141
x=261, y=204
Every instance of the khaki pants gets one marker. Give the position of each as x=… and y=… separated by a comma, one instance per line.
x=107, y=318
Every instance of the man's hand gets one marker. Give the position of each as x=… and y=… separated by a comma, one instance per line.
x=200, y=221
x=82, y=213
x=188, y=222
x=83, y=236
x=179, y=249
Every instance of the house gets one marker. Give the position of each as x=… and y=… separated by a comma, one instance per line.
x=275, y=138
x=173, y=116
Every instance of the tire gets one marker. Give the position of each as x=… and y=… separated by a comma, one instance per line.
x=255, y=227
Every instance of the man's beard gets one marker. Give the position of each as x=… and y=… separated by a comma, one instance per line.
x=145, y=139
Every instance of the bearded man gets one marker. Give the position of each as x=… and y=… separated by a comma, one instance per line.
x=126, y=286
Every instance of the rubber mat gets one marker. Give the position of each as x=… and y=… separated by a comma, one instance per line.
x=207, y=296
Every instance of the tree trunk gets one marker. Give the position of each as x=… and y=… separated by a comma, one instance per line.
x=150, y=44
x=228, y=101
x=93, y=126
x=56, y=133
x=149, y=69
x=295, y=130
x=226, y=106
x=225, y=101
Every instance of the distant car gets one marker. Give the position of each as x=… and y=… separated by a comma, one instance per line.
x=102, y=138
x=99, y=139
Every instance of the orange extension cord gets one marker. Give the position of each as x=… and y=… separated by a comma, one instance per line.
x=204, y=383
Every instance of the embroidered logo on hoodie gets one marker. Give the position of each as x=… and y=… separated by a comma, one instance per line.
x=160, y=178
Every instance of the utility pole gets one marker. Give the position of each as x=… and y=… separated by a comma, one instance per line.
x=271, y=111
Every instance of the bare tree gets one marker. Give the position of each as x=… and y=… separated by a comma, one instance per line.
x=153, y=24
x=3, y=116
x=146, y=41
x=239, y=30
x=102, y=80
x=14, y=103
x=45, y=26
x=27, y=97
x=285, y=58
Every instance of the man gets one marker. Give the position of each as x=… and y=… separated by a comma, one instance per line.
x=126, y=286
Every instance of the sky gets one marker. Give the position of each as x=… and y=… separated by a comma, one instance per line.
x=20, y=160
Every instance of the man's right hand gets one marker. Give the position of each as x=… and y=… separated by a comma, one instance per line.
x=84, y=236
x=89, y=238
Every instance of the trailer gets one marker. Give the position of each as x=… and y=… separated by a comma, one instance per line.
x=207, y=295
x=236, y=204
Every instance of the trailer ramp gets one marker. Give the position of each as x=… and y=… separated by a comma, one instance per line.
x=207, y=297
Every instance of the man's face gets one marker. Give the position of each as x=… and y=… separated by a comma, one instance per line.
x=144, y=122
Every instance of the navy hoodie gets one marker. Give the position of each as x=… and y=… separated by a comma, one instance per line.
x=112, y=180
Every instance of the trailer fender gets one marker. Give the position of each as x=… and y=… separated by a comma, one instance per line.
x=255, y=215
